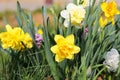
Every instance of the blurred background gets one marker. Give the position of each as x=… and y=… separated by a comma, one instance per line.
x=29, y=4
x=8, y=8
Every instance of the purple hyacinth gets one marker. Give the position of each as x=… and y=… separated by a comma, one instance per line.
x=86, y=30
x=85, y=33
x=38, y=39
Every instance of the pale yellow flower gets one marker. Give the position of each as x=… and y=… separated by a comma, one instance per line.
x=15, y=38
x=73, y=13
x=110, y=10
x=64, y=48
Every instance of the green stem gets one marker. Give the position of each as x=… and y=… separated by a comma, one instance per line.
x=99, y=65
x=99, y=73
x=109, y=78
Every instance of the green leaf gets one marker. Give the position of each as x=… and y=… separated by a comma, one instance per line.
x=48, y=53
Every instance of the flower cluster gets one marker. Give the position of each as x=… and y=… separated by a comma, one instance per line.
x=64, y=48
x=15, y=38
x=112, y=60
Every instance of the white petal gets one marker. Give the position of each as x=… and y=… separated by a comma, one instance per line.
x=66, y=23
x=64, y=14
x=70, y=6
x=80, y=7
x=112, y=60
x=115, y=52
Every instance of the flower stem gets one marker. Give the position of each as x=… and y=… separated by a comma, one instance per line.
x=99, y=73
x=99, y=65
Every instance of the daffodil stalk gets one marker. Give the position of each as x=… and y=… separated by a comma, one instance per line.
x=95, y=77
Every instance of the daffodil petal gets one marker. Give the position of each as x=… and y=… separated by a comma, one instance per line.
x=70, y=38
x=102, y=22
x=103, y=6
x=64, y=14
x=8, y=27
x=70, y=6
x=57, y=37
x=70, y=56
x=107, y=15
x=66, y=23
x=76, y=50
x=1, y=34
x=54, y=49
x=113, y=22
x=58, y=59
x=40, y=31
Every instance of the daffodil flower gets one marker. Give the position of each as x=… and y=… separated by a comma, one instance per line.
x=15, y=38
x=73, y=13
x=110, y=10
x=64, y=48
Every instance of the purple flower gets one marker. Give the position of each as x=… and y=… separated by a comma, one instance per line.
x=86, y=30
x=38, y=39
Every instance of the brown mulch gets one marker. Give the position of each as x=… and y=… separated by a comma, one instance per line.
x=37, y=18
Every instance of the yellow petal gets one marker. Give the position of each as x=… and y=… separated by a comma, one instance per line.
x=113, y=22
x=1, y=34
x=111, y=19
x=107, y=14
x=76, y=50
x=8, y=27
x=57, y=37
x=40, y=31
x=102, y=22
x=118, y=12
x=54, y=49
x=70, y=38
x=103, y=6
x=70, y=56
x=58, y=59
x=4, y=46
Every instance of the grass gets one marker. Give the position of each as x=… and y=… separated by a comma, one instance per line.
x=4, y=59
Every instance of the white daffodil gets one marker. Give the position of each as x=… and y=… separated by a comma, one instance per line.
x=112, y=60
x=73, y=13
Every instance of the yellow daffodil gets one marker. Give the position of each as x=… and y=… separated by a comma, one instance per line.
x=110, y=10
x=15, y=38
x=64, y=48
x=40, y=31
x=73, y=13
